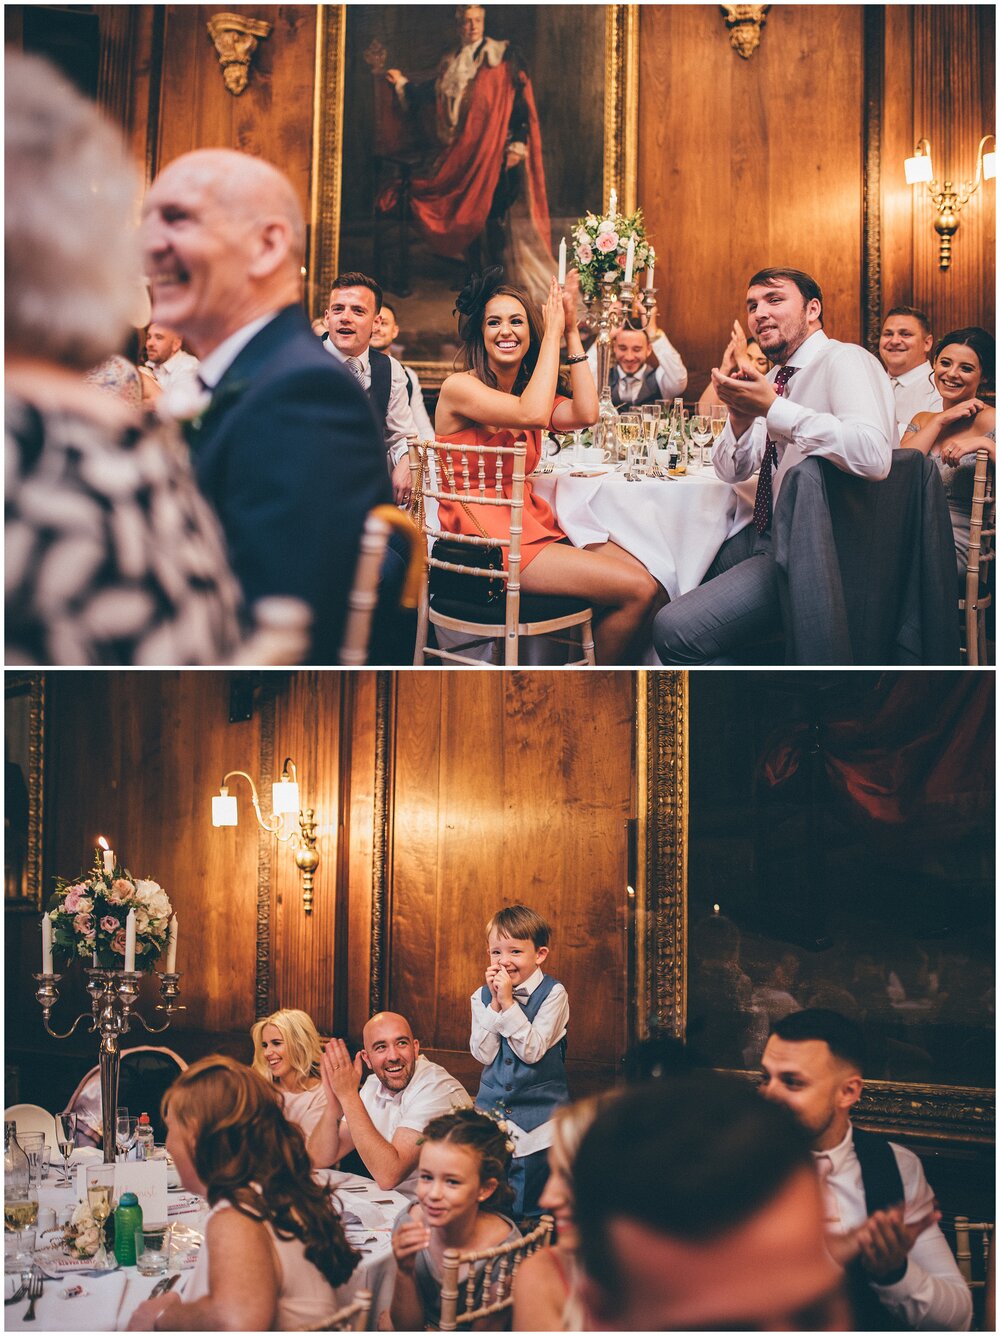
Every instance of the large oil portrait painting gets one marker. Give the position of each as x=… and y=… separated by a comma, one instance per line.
x=826, y=840
x=490, y=131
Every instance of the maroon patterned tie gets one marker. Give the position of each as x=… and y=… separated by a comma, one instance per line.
x=762, y=500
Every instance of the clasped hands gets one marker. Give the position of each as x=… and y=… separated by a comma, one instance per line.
x=340, y=1075
x=883, y=1243
x=500, y=984
x=745, y=391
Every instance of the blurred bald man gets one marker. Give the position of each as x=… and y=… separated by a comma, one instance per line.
x=287, y=449
x=383, y=1119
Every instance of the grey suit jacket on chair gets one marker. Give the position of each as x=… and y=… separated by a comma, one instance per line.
x=866, y=570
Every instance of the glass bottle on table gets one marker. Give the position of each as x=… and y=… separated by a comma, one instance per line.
x=677, y=439
x=144, y=1138
x=20, y=1196
x=606, y=431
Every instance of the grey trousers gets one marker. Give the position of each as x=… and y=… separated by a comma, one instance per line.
x=735, y=604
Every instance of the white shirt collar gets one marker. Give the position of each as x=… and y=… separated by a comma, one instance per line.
x=332, y=348
x=220, y=359
x=840, y=1154
x=806, y=353
x=361, y=357
x=922, y=371
x=531, y=984
x=384, y=1096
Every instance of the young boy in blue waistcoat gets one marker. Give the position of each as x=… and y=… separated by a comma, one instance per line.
x=519, y=1022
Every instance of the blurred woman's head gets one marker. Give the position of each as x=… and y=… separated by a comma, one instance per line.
x=964, y=364
x=231, y=1142
x=287, y=1048
x=569, y=1127
x=72, y=262
x=500, y=328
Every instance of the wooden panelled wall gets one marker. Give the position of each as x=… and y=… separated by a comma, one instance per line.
x=794, y=156
x=495, y=788
x=748, y=163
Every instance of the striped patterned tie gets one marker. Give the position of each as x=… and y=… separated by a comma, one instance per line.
x=762, y=499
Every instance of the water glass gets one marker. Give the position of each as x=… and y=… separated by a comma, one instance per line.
x=152, y=1250
x=33, y=1143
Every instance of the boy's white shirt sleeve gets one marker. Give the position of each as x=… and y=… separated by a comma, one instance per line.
x=529, y=1040
x=484, y=1042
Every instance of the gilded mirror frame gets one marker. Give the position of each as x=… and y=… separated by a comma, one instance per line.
x=620, y=150
x=931, y=1112
x=25, y=693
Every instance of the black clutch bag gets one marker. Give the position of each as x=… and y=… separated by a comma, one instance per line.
x=466, y=588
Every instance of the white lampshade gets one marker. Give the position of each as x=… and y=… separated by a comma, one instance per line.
x=284, y=798
x=224, y=809
x=918, y=169
x=989, y=166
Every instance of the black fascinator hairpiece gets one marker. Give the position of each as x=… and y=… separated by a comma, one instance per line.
x=471, y=301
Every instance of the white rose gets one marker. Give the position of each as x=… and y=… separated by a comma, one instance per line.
x=84, y=905
x=606, y=226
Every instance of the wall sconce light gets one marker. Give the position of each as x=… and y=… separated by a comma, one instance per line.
x=947, y=199
x=284, y=804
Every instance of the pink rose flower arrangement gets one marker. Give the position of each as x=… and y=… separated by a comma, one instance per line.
x=600, y=246
x=89, y=916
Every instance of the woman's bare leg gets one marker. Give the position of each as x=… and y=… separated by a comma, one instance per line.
x=614, y=581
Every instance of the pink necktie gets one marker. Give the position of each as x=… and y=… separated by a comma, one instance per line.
x=762, y=499
x=824, y=1167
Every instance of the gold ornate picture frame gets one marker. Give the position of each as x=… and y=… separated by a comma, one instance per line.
x=933, y=1112
x=24, y=789
x=618, y=152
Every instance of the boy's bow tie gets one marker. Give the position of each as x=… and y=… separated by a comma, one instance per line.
x=521, y=994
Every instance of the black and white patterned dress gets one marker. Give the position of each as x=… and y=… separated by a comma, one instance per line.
x=112, y=555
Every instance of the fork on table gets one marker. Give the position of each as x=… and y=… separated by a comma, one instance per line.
x=34, y=1293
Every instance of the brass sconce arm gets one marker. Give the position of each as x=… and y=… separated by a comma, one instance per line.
x=254, y=799
x=285, y=803
x=948, y=199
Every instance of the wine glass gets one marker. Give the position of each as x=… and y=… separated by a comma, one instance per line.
x=66, y=1139
x=719, y=414
x=100, y=1184
x=20, y=1212
x=701, y=434
x=125, y=1131
x=629, y=432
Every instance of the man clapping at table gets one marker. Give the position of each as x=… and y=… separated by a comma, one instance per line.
x=382, y=1119
x=823, y=398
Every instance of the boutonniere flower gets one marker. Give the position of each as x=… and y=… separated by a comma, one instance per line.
x=187, y=402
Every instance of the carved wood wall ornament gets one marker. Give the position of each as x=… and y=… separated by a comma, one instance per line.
x=235, y=39
x=744, y=23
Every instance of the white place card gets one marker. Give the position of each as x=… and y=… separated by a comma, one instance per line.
x=147, y=1179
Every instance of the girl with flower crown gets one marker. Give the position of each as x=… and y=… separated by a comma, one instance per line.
x=461, y=1189
x=510, y=391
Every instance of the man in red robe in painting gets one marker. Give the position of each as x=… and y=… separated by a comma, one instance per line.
x=483, y=197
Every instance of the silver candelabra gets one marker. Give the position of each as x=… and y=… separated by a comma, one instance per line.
x=113, y=995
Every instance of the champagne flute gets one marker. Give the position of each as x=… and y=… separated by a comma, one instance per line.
x=125, y=1130
x=66, y=1139
x=20, y=1212
x=719, y=414
x=100, y=1182
x=629, y=432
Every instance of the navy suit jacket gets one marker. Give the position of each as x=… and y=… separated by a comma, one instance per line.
x=291, y=457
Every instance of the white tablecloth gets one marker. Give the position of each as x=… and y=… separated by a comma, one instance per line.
x=112, y=1298
x=674, y=527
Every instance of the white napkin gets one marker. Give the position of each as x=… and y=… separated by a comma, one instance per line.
x=96, y=1310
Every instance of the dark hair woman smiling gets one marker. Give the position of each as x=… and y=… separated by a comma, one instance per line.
x=510, y=390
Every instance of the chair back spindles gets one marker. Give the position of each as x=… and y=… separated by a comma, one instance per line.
x=979, y=563
x=482, y=479
x=494, y=1281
